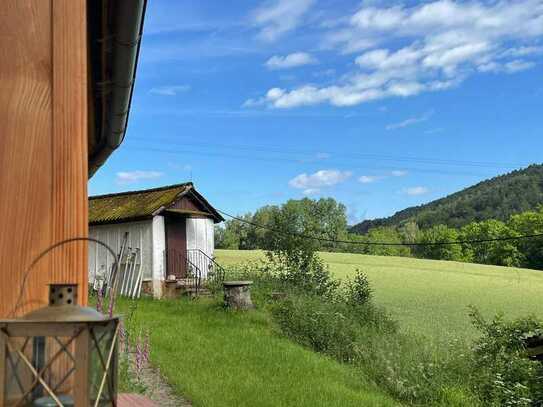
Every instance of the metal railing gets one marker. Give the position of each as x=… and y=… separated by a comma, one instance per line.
x=214, y=272
x=192, y=269
x=187, y=272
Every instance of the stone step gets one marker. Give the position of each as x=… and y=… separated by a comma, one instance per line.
x=193, y=292
x=185, y=282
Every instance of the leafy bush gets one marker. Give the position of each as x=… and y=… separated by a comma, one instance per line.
x=504, y=375
x=358, y=290
x=314, y=323
x=351, y=329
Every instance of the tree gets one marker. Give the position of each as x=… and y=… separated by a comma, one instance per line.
x=387, y=235
x=529, y=223
x=235, y=234
x=409, y=231
x=324, y=218
x=258, y=237
x=501, y=253
x=440, y=234
x=291, y=246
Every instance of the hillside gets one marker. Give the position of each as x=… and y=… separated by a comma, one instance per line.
x=496, y=198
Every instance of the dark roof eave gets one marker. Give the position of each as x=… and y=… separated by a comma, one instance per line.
x=127, y=29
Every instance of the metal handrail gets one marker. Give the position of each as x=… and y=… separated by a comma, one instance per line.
x=192, y=270
x=218, y=276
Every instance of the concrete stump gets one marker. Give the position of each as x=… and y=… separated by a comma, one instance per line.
x=170, y=289
x=237, y=295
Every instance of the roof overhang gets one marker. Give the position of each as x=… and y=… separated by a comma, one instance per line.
x=115, y=29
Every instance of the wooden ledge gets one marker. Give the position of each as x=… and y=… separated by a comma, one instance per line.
x=134, y=400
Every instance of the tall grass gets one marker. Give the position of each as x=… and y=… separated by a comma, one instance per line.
x=215, y=357
x=346, y=325
x=431, y=297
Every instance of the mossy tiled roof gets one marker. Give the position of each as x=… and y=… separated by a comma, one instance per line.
x=134, y=204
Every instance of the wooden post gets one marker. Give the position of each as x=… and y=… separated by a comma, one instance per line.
x=82, y=371
x=2, y=368
x=43, y=148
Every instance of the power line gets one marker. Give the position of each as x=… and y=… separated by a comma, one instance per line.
x=297, y=161
x=327, y=240
x=356, y=155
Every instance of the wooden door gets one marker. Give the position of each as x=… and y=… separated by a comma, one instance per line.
x=176, y=246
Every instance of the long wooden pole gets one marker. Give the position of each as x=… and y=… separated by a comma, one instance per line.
x=43, y=147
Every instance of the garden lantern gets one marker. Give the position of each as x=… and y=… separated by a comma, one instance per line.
x=60, y=355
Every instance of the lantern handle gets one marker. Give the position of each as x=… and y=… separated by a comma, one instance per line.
x=50, y=248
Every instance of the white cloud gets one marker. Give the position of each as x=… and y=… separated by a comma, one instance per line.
x=518, y=65
x=514, y=66
x=415, y=191
x=324, y=178
x=169, y=90
x=443, y=43
x=290, y=61
x=279, y=17
x=522, y=51
x=409, y=122
x=368, y=179
x=131, y=177
x=398, y=173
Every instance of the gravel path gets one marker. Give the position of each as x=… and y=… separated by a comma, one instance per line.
x=158, y=389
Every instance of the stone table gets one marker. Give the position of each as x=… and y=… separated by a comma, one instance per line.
x=237, y=294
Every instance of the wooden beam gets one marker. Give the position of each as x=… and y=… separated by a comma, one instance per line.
x=43, y=147
x=82, y=372
x=69, y=144
x=2, y=368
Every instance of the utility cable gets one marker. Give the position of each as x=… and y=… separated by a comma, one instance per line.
x=328, y=240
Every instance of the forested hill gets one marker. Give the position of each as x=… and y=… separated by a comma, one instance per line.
x=496, y=198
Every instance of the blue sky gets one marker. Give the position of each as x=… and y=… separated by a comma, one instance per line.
x=379, y=104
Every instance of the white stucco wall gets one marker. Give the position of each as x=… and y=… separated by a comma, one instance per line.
x=201, y=235
x=139, y=236
x=159, y=245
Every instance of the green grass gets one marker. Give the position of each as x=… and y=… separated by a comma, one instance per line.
x=431, y=297
x=218, y=358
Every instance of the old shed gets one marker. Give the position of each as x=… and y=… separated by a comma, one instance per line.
x=171, y=226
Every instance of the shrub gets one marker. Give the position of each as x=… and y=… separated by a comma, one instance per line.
x=504, y=375
x=358, y=290
x=301, y=271
x=314, y=323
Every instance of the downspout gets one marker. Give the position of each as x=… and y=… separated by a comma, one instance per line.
x=126, y=33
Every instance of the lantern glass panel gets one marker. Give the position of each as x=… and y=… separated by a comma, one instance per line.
x=103, y=350
x=60, y=355
x=36, y=368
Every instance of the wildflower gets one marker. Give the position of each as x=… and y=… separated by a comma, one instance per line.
x=100, y=301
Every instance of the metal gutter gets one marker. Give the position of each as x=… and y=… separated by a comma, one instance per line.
x=121, y=41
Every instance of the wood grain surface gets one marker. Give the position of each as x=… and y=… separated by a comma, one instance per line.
x=43, y=147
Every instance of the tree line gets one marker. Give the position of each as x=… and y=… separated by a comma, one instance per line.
x=326, y=218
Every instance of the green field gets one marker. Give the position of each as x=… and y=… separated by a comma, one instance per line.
x=431, y=297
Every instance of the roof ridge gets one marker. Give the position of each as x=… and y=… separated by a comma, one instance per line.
x=163, y=188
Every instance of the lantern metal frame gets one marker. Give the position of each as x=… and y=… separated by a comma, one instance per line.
x=86, y=338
